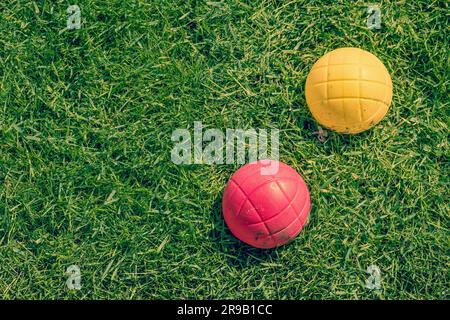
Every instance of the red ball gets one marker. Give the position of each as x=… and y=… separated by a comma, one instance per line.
x=263, y=207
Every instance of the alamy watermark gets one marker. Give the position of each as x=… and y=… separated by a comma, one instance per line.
x=73, y=281
x=214, y=146
x=373, y=282
x=74, y=18
x=374, y=18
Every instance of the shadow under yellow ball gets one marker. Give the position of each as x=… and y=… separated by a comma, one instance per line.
x=348, y=90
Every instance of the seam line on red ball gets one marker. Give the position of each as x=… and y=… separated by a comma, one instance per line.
x=297, y=216
x=290, y=202
x=257, y=212
x=256, y=188
x=243, y=202
x=274, y=179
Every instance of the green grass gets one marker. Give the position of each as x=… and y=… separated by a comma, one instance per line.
x=86, y=178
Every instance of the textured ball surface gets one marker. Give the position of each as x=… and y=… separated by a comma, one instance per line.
x=266, y=211
x=348, y=90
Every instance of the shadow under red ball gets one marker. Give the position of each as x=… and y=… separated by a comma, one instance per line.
x=269, y=210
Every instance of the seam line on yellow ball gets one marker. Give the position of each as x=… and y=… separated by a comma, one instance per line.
x=328, y=60
x=359, y=86
x=376, y=114
x=353, y=98
x=365, y=121
x=344, y=110
x=343, y=65
x=386, y=79
x=362, y=80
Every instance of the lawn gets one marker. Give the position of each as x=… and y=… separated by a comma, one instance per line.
x=86, y=177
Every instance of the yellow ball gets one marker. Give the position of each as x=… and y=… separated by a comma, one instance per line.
x=348, y=90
